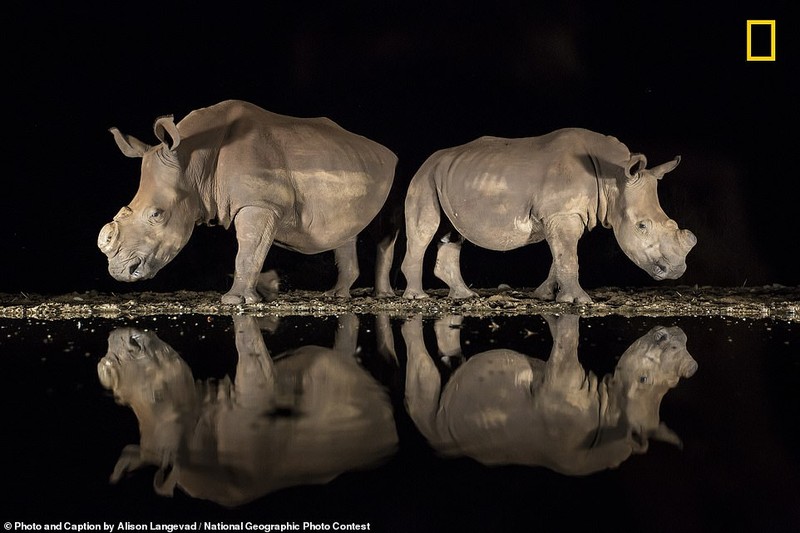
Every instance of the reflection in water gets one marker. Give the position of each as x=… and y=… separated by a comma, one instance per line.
x=503, y=407
x=302, y=418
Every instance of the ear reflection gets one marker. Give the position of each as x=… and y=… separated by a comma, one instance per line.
x=303, y=417
x=503, y=407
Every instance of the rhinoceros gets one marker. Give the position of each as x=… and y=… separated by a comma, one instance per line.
x=305, y=184
x=504, y=407
x=303, y=418
x=503, y=194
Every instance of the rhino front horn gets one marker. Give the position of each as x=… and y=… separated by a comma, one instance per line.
x=107, y=239
x=687, y=239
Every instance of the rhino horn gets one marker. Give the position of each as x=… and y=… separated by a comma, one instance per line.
x=663, y=168
x=107, y=239
x=665, y=434
x=167, y=132
x=128, y=144
x=686, y=239
x=636, y=159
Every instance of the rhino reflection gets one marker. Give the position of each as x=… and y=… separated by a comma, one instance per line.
x=503, y=407
x=302, y=419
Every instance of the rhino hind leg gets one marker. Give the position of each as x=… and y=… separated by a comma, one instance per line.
x=562, y=234
x=347, y=263
x=422, y=221
x=383, y=266
x=448, y=267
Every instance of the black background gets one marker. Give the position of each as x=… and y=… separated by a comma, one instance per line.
x=666, y=78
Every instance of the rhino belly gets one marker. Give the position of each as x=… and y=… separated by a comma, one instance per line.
x=332, y=208
x=495, y=225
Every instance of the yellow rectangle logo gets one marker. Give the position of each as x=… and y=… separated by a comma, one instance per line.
x=761, y=57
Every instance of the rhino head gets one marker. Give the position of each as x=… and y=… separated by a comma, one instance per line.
x=645, y=233
x=647, y=370
x=149, y=232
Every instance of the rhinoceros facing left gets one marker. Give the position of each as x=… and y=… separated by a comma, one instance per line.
x=502, y=194
x=304, y=184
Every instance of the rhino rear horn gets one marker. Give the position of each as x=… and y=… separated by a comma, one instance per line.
x=663, y=168
x=167, y=132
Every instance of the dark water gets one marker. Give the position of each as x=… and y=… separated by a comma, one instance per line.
x=402, y=425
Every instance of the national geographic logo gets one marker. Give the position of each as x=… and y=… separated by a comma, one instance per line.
x=761, y=40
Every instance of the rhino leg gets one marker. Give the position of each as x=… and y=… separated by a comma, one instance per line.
x=255, y=231
x=423, y=381
x=448, y=267
x=383, y=288
x=346, y=340
x=255, y=373
x=347, y=263
x=448, y=339
x=422, y=221
x=385, y=338
x=562, y=233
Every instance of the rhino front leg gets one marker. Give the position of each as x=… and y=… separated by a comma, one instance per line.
x=562, y=233
x=255, y=231
x=347, y=264
x=255, y=373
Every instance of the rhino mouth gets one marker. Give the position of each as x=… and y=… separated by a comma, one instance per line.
x=133, y=269
x=659, y=270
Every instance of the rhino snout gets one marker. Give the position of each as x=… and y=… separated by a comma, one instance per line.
x=107, y=239
x=688, y=368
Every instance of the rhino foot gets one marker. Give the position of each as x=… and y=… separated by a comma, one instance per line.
x=384, y=294
x=235, y=298
x=414, y=294
x=545, y=291
x=578, y=297
x=337, y=293
x=553, y=292
x=461, y=293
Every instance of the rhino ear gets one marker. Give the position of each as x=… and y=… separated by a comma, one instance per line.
x=129, y=145
x=167, y=132
x=663, y=168
x=631, y=170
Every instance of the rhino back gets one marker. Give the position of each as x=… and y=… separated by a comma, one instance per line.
x=330, y=180
x=518, y=184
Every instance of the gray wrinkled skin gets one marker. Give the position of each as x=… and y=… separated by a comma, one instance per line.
x=504, y=407
x=303, y=184
x=502, y=194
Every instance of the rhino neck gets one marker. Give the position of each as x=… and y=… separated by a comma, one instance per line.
x=605, y=192
x=201, y=172
x=606, y=195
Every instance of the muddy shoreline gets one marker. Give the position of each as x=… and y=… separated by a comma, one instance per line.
x=772, y=301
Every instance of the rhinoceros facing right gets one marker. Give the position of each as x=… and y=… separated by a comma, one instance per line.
x=502, y=194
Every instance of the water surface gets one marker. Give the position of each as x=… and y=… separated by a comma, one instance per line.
x=404, y=424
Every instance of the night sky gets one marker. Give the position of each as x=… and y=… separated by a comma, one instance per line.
x=666, y=78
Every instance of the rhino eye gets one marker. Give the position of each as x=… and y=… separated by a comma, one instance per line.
x=642, y=379
x=156, y=215
x=643, y=226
